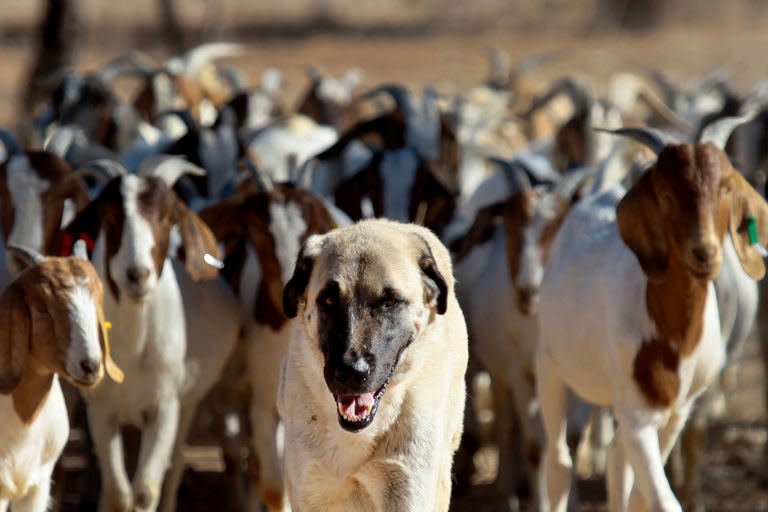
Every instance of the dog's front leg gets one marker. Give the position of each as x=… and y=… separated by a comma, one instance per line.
x=407, y=484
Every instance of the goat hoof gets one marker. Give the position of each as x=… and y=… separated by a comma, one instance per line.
x=146, y=495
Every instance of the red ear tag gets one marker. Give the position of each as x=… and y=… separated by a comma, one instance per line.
x=66, y=244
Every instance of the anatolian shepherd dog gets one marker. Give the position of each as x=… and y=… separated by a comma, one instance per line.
x=372, y=391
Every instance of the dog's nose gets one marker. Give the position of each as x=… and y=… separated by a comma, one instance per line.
x=89, y=366
x=354, y=372
x=137, y=275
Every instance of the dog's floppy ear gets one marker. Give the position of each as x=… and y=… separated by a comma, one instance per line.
x=296, y=287
x=434, y=281
x=15, y=337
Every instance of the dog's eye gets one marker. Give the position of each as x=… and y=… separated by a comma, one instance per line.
x=329, y=301
x=390, y=303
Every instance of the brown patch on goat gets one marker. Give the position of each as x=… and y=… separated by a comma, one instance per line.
x=272, y=498
x=676, y=203
x=429, y=194
x=106, y=211
x=572, y=146
x=268, y=307
x=479, y=233
x=533, y=453
x=247, y=220
x=156, y=204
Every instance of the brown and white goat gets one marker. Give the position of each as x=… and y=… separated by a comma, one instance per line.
x=36, y=187
x=629, y=315
x=52, y=325
x=130, y=224
x=499, y=264
x=263, y=232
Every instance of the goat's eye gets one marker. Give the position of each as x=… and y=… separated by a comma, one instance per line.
x=724, y=191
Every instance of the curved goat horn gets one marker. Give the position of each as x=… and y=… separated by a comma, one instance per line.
x=533, y=62
x=168, y=168
x=719, y=131
x=262, y=181
x=397, y=92
x=577, y=92
x=196, y=57
x=515, y=174
x=656, y=140
x=102, y=169
x=134, y=64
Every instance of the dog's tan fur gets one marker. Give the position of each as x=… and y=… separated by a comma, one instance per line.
x=402, y=460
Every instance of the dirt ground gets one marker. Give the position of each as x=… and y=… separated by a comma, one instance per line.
x=735, y=475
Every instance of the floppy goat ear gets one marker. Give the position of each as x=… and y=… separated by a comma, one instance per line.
x=434, y=282
x=640, y=227
x=296, y=287
x=746, y=203
x=200, y=249
x=15, y=337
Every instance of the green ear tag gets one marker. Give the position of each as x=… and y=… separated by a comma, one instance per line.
x=752, y=230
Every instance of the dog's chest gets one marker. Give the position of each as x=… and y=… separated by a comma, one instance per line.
x=340, y=453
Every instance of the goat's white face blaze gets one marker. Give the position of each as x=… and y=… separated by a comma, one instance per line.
x=26, y=189
x=287, y=227
x=133, y=267
x=84, y=352
x=531, y=220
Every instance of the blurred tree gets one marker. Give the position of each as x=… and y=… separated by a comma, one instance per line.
x=628, y=14
x=171, y=26
x=58, y=34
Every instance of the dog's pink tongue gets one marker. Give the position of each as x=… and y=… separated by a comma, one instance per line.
x=355, y=407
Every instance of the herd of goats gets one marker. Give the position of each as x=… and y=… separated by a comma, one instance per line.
x=192, y=199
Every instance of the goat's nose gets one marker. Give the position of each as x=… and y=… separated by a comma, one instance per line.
x=137, y=275
x=89, y=366
x=705, y=253
x=354, y=372
x=526, y=294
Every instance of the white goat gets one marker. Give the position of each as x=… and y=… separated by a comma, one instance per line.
x=129, y=224
x=52, y=324
x=629, y=316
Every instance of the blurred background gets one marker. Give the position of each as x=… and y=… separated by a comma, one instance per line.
x=442, y=42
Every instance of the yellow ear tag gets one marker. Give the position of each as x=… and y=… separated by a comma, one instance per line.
x=114, y=372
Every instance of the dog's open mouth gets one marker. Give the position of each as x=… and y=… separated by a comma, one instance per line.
x=357, y=411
